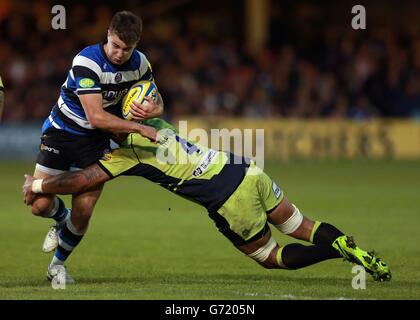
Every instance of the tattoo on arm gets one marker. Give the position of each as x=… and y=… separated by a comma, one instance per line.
x=75, y=182
x=66, y=180
x=92, y=174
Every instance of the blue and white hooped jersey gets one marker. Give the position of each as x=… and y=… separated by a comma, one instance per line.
x=92, y=72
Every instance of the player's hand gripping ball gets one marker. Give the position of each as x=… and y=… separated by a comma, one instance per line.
x=138, y=92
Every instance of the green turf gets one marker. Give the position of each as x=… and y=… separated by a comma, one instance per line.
x=145, y=243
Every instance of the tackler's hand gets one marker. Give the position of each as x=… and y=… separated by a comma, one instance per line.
x=28, y=195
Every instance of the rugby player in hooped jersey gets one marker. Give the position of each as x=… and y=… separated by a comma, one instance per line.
x=77, y=132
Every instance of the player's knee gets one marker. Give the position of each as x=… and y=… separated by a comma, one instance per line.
x=42, y=206
x=38, y=211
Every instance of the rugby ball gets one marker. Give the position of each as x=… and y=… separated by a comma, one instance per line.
x=138, y=92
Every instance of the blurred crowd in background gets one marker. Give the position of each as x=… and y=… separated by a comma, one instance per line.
x=310, y=67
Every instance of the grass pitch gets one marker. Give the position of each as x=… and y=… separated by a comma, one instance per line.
x=145, y=243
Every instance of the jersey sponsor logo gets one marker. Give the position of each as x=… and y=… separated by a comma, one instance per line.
x=276, y=190
x=86, y=83
x=204, y=165
x=118, y=77
x=43, y=147
x=113, y=95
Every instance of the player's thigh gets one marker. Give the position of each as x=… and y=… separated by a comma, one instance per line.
x=281, y=213
x=242, y=218
x=87, y=151
x=51, y=160
x=279, y=208
x=276, y=206
x=289, y=220
x=271, y=195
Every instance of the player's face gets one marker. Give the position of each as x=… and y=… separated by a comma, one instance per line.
x=117, y=51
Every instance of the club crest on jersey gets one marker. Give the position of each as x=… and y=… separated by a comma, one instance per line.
x=118, y=77
x=86, y=83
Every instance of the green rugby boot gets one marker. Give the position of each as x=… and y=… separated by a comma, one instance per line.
x=372, y=264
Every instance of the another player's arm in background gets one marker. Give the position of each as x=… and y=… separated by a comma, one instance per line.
x=1, y=98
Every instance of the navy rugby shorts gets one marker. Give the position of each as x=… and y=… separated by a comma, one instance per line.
x=63, y=151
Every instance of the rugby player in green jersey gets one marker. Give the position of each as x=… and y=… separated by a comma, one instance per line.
x=240, y=198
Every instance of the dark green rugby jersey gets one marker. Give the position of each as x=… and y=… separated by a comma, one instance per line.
x=200, y=174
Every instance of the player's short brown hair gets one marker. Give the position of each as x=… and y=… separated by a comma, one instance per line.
x=127, y=26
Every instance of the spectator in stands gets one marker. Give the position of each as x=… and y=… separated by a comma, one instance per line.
x=1, y=98
x=307, y=73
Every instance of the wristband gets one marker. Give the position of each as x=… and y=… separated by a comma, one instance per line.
x=37, y=186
